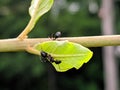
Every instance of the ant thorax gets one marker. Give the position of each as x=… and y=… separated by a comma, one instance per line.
x=50, y=58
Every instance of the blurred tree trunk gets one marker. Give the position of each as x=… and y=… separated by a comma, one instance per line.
x=110, y=64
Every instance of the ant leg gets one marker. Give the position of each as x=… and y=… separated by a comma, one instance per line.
x=51, y=36
x=42, y=59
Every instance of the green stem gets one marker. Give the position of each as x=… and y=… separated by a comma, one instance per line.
x=28, y=28
x=9, y=45
x=31, y=23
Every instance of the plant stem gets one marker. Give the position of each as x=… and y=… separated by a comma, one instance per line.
x=28, y=28
x=15, y=44
x=31, y=23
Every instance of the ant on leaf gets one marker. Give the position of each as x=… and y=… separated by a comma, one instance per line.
x=47, y=56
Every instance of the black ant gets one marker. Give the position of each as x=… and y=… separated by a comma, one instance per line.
x=56, y=35
x=49, y=57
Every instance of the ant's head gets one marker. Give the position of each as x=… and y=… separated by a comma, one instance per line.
x=43, y=54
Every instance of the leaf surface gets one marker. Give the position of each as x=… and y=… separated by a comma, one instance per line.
x=71, y=55
x=39, y=7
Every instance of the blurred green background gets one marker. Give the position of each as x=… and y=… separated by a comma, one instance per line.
x=23, y=71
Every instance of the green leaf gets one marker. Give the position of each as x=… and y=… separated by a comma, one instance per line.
x=71, y=55
x=39, y=7
x=36, y=10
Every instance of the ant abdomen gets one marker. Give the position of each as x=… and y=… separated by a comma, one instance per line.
x=56, y=35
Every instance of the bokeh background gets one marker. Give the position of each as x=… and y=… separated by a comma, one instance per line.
x=74, y=18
